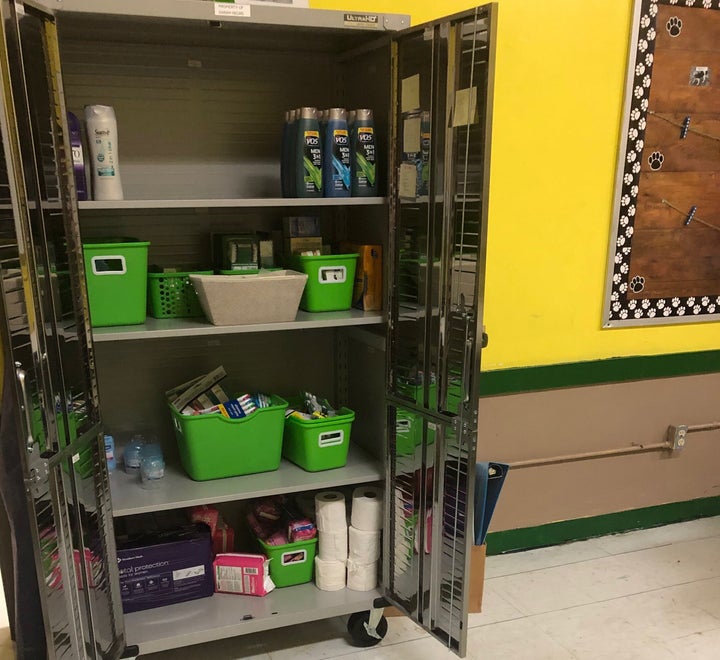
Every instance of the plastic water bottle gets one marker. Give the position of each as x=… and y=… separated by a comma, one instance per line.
x=336, y=155
x=132, y=456
x=152, y=467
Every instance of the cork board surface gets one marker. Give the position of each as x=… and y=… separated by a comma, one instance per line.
x=665, y=263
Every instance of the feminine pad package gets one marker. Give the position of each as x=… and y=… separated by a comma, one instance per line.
x=242, y=574
x=162, y=566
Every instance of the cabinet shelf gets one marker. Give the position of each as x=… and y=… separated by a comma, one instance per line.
x=166, y=328
x=227, y=615
x=271, y=202
x=178, y=490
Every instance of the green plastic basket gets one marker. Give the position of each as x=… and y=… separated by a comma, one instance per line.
x=292, y=563
x=330, y=281
x=213, y=446
x=172, y=296
x=318, y=444
x=116, y=276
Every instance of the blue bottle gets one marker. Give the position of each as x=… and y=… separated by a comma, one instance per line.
x=363, y=159
x=288, y=150
x=110, y=452
x=336, y=155
x=307, y=159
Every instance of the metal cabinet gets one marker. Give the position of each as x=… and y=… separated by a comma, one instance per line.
x=199, y=92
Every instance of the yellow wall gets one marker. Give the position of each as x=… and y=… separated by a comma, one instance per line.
x=559, y=85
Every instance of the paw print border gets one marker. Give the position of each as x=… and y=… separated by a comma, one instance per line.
x=619, y=310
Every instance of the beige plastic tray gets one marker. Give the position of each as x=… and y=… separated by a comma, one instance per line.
x=271, y=297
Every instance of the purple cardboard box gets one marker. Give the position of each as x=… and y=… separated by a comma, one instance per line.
x=165, y=567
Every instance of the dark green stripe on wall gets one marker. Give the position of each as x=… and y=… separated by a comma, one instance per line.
x=597, y=372
x=611, y=523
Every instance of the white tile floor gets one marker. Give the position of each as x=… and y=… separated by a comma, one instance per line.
x=651, y=594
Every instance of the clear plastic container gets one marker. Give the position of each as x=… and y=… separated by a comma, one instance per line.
x=152, y=466
x=132, y=455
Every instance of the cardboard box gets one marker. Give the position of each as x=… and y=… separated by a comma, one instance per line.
x=295, y=246
x=477, y=578
x=477, y=582
x=234, y=251
x=368, y=288
x=299, y=227
x=165, y=567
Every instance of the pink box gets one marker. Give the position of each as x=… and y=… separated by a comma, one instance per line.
x=242, y=574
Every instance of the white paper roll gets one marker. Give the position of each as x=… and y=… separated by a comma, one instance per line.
x=329, y=575
x=330, y=511
x=333, y=546
x=364, y=545
x=361, y=577
x=367, y=508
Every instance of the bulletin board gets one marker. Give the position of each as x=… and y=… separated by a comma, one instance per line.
x=664, y=261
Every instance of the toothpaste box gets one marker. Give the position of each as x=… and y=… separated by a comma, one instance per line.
x=162, y=567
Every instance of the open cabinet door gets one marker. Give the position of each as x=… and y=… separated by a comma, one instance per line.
x=441, y=147
x=51, y=422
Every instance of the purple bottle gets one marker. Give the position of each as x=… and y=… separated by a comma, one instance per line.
x=77, y=156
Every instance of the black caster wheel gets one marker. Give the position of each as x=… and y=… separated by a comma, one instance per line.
x=359, y=634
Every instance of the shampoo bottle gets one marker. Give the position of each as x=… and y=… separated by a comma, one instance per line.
x=308, y=155
x=364, y=155
x=285, y=155
x=336, y=155
x=101, y=129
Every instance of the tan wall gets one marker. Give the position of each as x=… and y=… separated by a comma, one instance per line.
x=568, y=421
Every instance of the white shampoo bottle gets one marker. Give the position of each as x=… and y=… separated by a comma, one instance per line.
x=101, y=128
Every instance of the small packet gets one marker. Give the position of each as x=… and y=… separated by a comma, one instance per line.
x=278, y=538
x=301, y=530
x=205, y=514
x=242, y=574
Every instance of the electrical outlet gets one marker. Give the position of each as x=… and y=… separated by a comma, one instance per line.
x=678, y=436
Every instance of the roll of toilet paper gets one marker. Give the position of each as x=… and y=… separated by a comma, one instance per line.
x=361, y=577
x=364, y=545
x=367, y=508
x=333, y=546
x=330, y=511
x=329, y=575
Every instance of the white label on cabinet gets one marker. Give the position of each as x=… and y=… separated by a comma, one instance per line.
x=408, y=181
x=411, y=136
x=228, y=9
x=410, y=93
x=371, y=21
x=465, y=107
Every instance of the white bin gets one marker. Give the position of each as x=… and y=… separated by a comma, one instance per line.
x=265, y=297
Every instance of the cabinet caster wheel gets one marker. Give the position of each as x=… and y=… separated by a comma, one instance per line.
x=362, y=634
